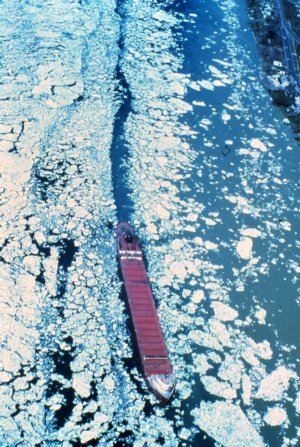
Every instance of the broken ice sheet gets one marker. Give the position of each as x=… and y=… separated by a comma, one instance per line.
x=79, y=44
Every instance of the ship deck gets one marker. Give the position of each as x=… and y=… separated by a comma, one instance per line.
x=149, y=336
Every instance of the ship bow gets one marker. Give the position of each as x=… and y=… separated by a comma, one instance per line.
x=162, y=385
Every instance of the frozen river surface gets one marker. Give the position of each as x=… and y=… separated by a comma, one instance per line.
x=152, y=112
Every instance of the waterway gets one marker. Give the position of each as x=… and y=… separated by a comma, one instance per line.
x=150, y=112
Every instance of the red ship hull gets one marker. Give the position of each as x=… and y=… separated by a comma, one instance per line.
x=153, y=352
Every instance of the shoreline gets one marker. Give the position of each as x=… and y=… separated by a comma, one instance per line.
x=276, y=28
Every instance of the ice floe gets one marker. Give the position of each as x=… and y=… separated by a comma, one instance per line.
x=227, y=424
x=226, y=117
x=276, y=416
x=275, y=385
x=208, y=85
x=256, y=143
x=247, y=389
x=244, y=248
x=217, y=387
x=261, y=315
x=251, y=232
x=198, y=296
x=224, y=312
x=81, y=383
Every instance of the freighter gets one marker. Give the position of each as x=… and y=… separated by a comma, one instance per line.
x=151, y=345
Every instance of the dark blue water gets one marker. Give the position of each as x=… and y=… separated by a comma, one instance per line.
x=240, y=187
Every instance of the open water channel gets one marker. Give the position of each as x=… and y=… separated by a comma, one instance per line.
x=152, y=112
